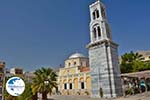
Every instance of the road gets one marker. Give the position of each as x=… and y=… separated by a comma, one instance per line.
x=143, y=96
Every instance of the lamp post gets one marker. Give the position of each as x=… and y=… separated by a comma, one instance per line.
x=44, y=95
x=46, y=82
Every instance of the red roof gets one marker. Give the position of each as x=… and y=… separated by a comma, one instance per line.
x=84, y=69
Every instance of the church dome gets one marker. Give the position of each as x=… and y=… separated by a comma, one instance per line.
x=77, y=55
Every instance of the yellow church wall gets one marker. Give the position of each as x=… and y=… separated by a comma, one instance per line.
x=70, y=81
x=66, y=71
x=62, y=71
x=76, y=62
x=60, y=84
x=81, y=79
x=73, y=70
x=65, y=81
x=72, y=73
x=88, y=83
x=76, y=83
x=73, y=62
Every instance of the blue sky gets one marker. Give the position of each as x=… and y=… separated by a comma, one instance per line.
x=36, y=33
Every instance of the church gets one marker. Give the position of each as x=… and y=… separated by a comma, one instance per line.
x=74, y=78
x=99, y=76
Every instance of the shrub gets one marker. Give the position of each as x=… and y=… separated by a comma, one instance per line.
x=87, y=93
x=128, y=91
x=78, y=93
x=101, y=92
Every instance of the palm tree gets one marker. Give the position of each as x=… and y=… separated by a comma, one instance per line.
x=7, y=96
x=138, y=56
x=131, y=57
x=131, y=62
x=27, y=94
x=44, y=81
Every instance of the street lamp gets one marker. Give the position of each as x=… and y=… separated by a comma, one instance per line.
x=46, y=82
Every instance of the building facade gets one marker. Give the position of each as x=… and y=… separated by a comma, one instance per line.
x=2, y=79
x=16, y=71
x=145, y=55
x=103, y=55
x=29, y=76
x=74, y=78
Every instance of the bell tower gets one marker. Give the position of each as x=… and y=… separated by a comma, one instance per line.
x=99, y=27
x=103, y=55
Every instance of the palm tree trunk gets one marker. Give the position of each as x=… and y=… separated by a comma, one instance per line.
x=44, y=96
x=34, y=97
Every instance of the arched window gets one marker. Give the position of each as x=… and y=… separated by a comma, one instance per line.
x=65, y=86
x=70, y=85
x=74, y=63
x=82, y=85
x=99, y=31
x=94, y=33
x=97, y=13
x=94, y=16
x=69, y=64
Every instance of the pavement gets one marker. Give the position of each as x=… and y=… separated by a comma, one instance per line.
x=142, y=96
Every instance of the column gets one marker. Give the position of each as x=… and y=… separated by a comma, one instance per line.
x=72, y=85
x=84, y=80
x=63, y=86
x=79, y=85
x=67, y=85
x=85, y=84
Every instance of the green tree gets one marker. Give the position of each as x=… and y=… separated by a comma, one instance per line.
x=138, y=65
x=131, y=62
x=126, y=67
x=44, y=81
x=27, y=94
x=145, y=67
x=7, y=96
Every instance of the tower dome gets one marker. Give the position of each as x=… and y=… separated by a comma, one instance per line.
x=77, y=55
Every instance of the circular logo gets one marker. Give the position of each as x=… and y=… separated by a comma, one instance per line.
x=15, y=86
